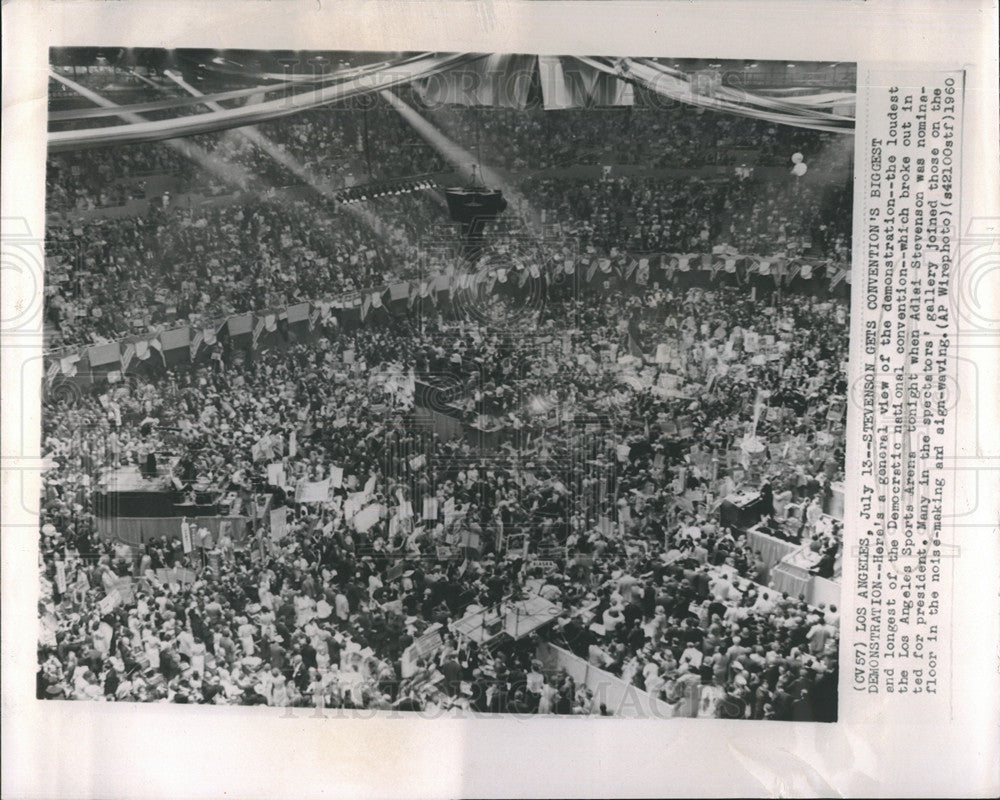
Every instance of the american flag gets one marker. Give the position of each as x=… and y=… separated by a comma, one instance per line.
x=128, y=353
x=196, y=341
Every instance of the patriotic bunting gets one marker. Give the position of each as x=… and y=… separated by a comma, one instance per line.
x=780, y=268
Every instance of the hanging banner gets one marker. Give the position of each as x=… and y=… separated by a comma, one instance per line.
x=240, y=325
x=279, y=522
x=170, y=343
x=497, y=81
x=567, y=82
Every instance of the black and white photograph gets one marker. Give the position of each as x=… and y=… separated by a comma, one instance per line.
x=445, y=383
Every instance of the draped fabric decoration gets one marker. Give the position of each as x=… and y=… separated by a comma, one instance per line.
x=171, y=104
x=227, y=171
x=196, y=339
x=307, y=77
x=497, y=81
x=465, y=79
x=804, y=96
x=569, y=83
x=679, y=86
x=251, y=114
x=102, y=354
x=127, y=354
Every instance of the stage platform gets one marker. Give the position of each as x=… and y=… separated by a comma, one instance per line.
x=130, y=479
x=512, y=619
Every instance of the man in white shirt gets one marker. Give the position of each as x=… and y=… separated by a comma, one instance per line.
x=764, y=604
x=722, y=590
x=813, y=512
x=652, y=679
x=691, y=530
x=691, y=657
x=818, y=636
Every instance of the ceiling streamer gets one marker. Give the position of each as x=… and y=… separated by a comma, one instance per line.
x=472, y=79
x=165, y=105
x=679, y=86
x=285, y=82
x=156, y=130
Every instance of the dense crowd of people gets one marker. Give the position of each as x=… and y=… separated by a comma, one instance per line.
x=349, y=144
x=692, y=216
x=210, y=260
x=307, y=246
x=304, y=248
x=654, y=133
x=652, y=586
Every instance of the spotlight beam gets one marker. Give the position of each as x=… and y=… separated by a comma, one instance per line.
x=231, y=173
x=259, y=140
x=463, y=160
